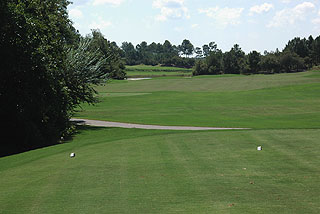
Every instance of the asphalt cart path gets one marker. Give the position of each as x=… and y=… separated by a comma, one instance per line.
x=99, y=123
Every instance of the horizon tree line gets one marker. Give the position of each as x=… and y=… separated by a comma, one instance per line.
x=298, y=54
x=157, y=53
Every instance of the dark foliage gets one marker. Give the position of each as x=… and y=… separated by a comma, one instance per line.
x=113, y=65
x=298, y=55
x=33, y=102
x=46, y=71
x=165, y=54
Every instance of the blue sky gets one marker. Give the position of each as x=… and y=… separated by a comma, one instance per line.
x=254, y=25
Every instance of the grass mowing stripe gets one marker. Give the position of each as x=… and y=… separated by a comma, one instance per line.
x=163, y=172
x=223, y=83
x=281, y=107
x=155, y=68
x=295, y=161
x=198, y=170
x=154, y=171
x=154, y=74
x=156, y=71
x=108, y=135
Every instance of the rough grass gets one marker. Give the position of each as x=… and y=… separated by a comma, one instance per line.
x=146, y=171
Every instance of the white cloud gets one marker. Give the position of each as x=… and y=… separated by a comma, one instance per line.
x=167, y=3
x=101, y=24
x=77, y=26
x=316, y=21
x=178, y=29
x=171, y=9
x=292, y=15
x=112, y=2
x=194, y=25
x=75, y=13
x=304, y=7
x=261, y=8
x=224, y=16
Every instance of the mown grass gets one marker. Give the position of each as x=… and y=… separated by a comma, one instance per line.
x=156, y=71
x=155, y=68
x=132, y=74
x=214, y=83
x=146, y=171
x=280, y=101
x=154, y=171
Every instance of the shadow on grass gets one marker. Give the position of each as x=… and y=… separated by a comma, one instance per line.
x=80, y=128
x=16, y=145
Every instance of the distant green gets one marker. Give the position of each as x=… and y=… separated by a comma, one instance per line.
x=156, y=71
x=155, y=68
x=276, y=101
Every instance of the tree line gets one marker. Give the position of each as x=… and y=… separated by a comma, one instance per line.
x=298, y=55
x=47, y=70
x=165, y=54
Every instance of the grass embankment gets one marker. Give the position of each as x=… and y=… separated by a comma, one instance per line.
x=156, y=71
x=151, y=171
x=145, y=171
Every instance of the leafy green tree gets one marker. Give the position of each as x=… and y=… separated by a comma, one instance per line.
x=310, y=42
x=130, y=53
x=298, y=46
x=142, y=53
x=198, y=52
x=167, y=47
x=153, y=48
x=234, y=61
x=254, y=59
x=213, y=47
x=206, y=50
x=34, y=100
x=169, y=51
x=200, y=68
x=186, y=48
x=84, y=67
x=316, y=51
x=113, y=66
x=215, y=62
x=212, y=64
x=47, y=70
x=291, y=62
x=270, y=63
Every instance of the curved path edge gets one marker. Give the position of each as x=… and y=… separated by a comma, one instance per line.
x=99, y=123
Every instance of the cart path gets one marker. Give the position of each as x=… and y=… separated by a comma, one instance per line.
x=99, y=123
